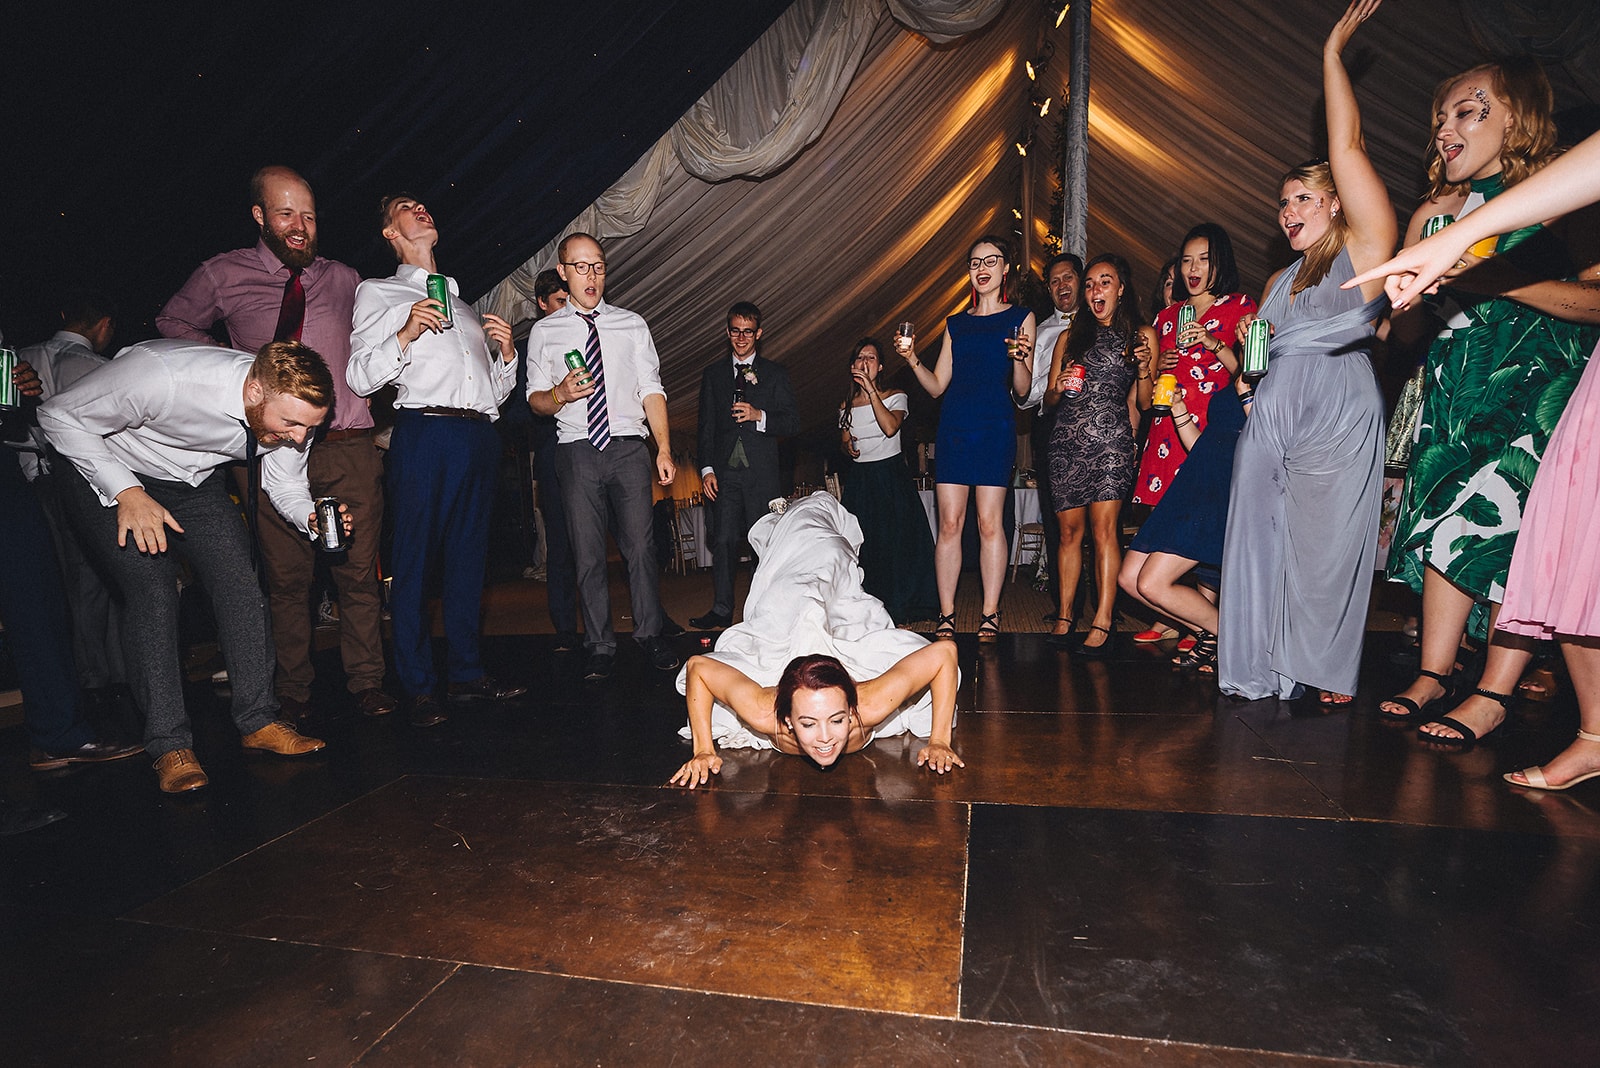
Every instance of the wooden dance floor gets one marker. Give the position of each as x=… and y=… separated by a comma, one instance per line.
x=1129, y=871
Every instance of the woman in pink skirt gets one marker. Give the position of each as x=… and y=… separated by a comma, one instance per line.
x=1553, y=588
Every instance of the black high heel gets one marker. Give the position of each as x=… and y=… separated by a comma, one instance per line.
x=989, y=627
x=945, y=629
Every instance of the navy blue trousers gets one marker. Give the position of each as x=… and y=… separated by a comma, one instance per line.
x=441, y=492
x=33, y=606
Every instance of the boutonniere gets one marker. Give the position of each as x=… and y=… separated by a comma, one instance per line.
x=748, y=373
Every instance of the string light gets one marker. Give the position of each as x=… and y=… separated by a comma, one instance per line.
x=1022, y=149
x=1044, y=108
x=1062, y=15
x=1028, y=66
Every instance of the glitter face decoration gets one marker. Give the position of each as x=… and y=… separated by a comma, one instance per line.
x=1483, y=98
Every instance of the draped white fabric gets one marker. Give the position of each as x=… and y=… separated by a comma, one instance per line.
x=1196, y=110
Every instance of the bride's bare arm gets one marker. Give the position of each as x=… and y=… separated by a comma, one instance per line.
x=708, y=681
x=934, y=667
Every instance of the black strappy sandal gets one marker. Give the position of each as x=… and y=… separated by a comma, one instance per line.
x=1201, y=657
x=1096, y=652
x=1468, y=739
x=1412, y=709
x=945, y=628
x=989, y=627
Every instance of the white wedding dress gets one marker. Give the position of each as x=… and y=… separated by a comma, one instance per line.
x=806, y=597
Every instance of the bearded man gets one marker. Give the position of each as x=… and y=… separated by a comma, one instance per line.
x=281, y=290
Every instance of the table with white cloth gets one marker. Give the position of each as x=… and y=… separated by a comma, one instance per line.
x=1024, y=509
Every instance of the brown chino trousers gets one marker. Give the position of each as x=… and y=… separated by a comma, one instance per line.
x=351, y=470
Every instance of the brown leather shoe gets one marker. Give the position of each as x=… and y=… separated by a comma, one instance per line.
x=374, y=702
x=282, y=739
x=179, y=772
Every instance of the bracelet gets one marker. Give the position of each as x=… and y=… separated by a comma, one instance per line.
x=1247, y=396
x=559, y=403
x=1187, y=419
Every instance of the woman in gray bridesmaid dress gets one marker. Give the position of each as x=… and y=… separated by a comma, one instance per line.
x=1300, y=548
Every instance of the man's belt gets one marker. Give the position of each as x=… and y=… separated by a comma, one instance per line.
x=455, y=413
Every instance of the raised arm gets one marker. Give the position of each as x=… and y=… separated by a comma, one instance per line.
x=1362, y=194
x=1569, y=183
x=937, y=380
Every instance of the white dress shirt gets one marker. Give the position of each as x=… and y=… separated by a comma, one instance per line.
x=451, y=369
x=60, y=362
x=171, y=410
x=1044, y=347
x=627, y=354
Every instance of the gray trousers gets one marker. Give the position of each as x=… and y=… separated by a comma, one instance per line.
x=96, y=616
x=618, y=479
x=216, y=546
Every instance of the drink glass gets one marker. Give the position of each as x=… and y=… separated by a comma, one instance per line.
x=904, y=337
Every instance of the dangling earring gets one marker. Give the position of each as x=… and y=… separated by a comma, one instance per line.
x=1003, y=287
x=974, y=297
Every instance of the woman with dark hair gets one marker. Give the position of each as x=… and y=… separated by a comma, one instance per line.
x=1093, y=457
x=817, y=710
x=1495, y=383
x=896, y=547
x=1167, y=291
x=1188, y=536
x=1303, y=510
x=806, y=601
x=986, y=349
x=1200, y=355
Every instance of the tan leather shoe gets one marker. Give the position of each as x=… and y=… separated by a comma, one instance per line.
x=282, y=739
x=179, y=772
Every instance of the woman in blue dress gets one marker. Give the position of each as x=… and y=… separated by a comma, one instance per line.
x=1297, y=557
x=986, y=360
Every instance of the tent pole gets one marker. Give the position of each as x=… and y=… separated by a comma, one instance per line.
x=1075, y=167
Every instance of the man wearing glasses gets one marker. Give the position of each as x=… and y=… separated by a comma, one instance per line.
x=604, y=408
x=451, y=370
x=745, y=406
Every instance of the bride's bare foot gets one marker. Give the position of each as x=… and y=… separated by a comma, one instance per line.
x=1577, y=761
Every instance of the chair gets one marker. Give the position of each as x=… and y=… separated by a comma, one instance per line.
x=685, y=550
x=1030, y=538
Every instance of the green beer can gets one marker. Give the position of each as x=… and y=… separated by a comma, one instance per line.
x=1435, y=223
x=9, y=397
x=1256, y=338
x=575, y=362
x=439, y=290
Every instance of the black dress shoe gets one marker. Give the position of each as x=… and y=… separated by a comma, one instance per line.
x=425, y=711
x=567, y=640
x=19, y=819
x=670, y=628
x=485, y=689
x=87, y=753
x=598, y=666
x=711, y=621
x=662, y=656
x=291, y=710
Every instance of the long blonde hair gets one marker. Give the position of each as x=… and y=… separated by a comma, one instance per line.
x=1530, y=141
x=1318, y=175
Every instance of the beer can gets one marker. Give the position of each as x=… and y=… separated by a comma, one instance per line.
x=439, y=290
x=1075, y=378
x=10, y=397
x=331, y=537
x=575, y=362
x=1165, y=389
x=1256, y=339
x=1185, y=315
x=738, y=396
x=1435, y=223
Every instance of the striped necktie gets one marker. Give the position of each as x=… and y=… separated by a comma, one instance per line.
x=599, y=417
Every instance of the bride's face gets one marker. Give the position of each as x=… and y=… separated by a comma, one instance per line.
x=820, y=720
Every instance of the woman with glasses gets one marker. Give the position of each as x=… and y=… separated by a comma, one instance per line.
x=1302, y=529
x=896, y=547
x=985, y=361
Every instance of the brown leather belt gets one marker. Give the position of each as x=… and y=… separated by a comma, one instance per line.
x=455, y=413
x=347, y=433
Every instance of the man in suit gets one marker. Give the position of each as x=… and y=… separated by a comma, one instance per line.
x=746, y=405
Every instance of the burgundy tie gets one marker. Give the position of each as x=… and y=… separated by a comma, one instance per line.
x=292, y=313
